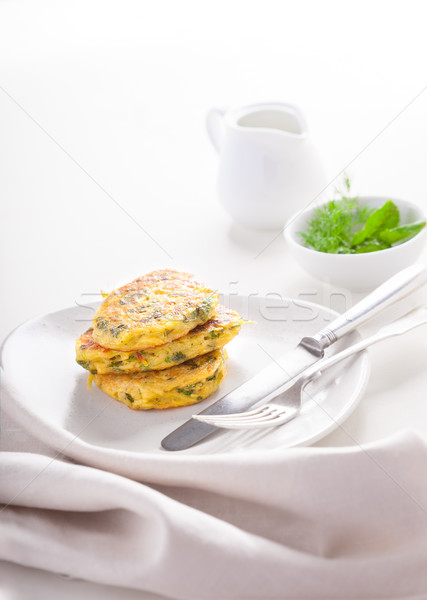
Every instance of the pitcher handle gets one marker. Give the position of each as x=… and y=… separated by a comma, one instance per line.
x=215, y=126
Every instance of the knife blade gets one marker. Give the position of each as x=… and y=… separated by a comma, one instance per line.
x=280, y=375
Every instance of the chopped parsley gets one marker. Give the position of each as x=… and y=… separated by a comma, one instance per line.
x=115, y=331
x=188, y=390
x=116, y=363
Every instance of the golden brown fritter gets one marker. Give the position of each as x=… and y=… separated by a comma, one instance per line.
x=215, y=333
x=188, y=383
x=152, y=310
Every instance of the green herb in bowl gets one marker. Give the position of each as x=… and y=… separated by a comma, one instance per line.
x=344, y=240
x=344, y=226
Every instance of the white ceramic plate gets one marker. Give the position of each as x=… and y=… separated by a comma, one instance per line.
x=48, y=393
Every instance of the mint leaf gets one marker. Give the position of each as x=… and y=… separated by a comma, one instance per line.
x=386, y=217
x=370, y=246
x=402, y=233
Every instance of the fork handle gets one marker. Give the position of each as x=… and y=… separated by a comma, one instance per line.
x=409, y=321
x=397, y=287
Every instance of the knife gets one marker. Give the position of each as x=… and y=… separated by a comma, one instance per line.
x=278, y=376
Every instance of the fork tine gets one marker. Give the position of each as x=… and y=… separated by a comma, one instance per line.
x=267, y=416
x=249, y=413
x=270, y=422
x=209, y=418
x=253, y=414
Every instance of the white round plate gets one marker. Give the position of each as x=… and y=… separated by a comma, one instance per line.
x=47, y=390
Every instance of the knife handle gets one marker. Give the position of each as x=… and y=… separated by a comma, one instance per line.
x=394, y=289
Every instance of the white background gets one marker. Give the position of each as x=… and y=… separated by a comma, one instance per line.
x=102, y=113
x=124, y=88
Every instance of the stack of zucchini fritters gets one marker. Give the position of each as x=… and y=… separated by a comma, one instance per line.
x=157, y=341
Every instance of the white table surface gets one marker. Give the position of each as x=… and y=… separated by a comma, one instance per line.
x=102, y=108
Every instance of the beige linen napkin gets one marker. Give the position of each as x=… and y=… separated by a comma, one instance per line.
x=302, y=523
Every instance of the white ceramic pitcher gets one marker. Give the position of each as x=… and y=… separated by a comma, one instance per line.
x=269, y=169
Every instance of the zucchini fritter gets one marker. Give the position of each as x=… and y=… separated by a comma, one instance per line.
x=215, y=333
x=152, y=310
x=188, y=383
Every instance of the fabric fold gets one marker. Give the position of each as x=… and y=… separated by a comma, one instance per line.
x=300, y=523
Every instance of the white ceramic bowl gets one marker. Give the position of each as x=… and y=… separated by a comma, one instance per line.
x=357, y=272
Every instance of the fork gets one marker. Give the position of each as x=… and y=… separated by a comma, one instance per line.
x=287, y=405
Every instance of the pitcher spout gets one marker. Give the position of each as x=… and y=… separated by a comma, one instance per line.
x=283, y=119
